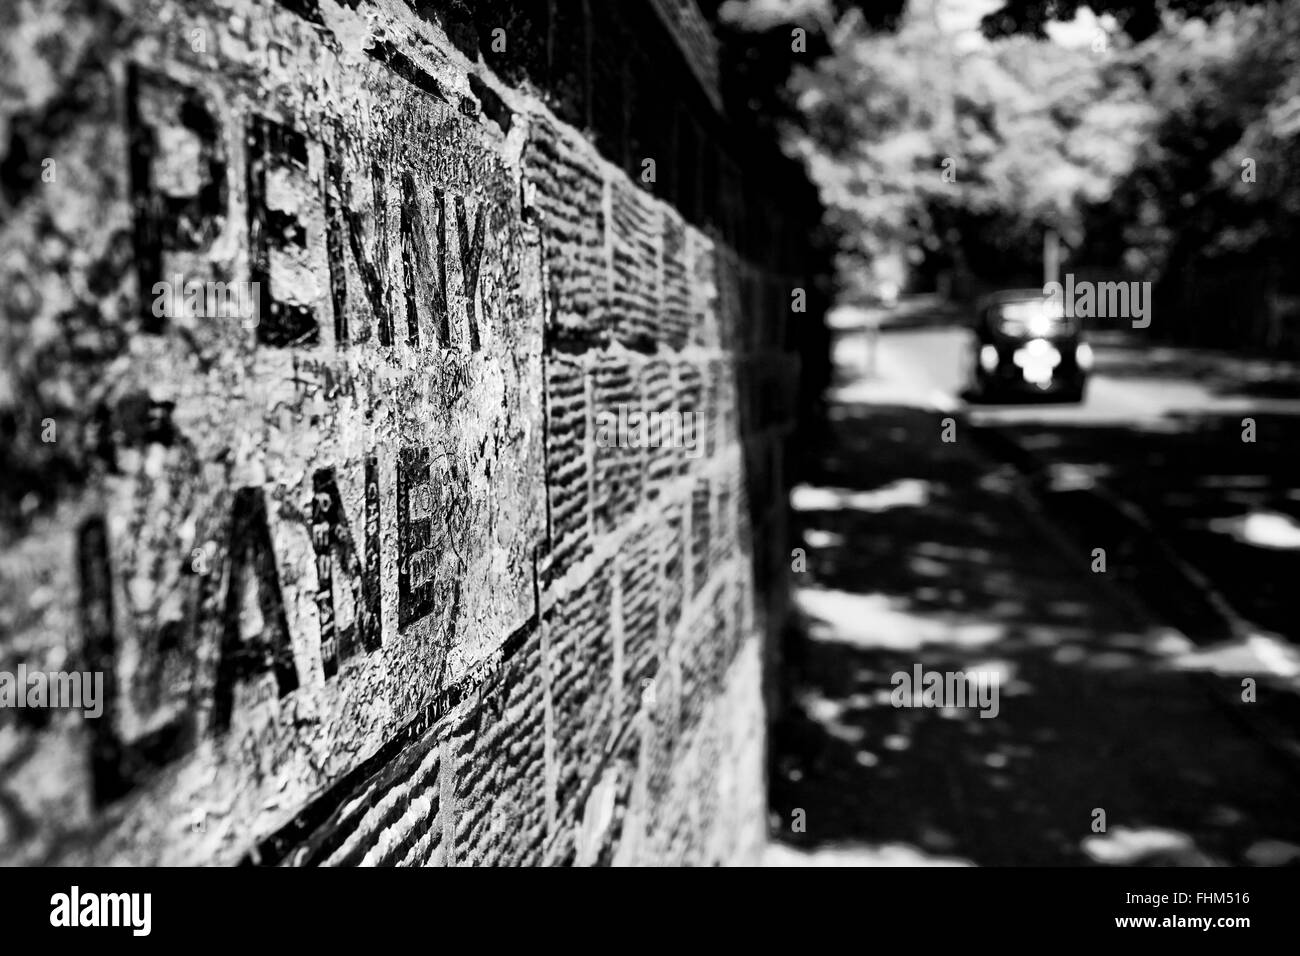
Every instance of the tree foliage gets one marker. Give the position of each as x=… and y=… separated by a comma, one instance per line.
x=1136, y=152
x=1139, y=19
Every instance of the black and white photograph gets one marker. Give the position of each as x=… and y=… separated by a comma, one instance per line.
x=651, y=434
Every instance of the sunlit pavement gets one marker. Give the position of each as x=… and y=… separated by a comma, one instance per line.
x=944, y=555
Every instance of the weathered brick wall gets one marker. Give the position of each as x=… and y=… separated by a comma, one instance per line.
x=364, y=584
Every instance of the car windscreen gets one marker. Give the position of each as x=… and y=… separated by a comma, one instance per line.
x=1030, y=318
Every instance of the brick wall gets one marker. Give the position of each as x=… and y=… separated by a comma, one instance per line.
x=365, y=584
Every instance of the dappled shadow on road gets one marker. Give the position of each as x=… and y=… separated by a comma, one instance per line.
x=1227, y=507
x=920, y=554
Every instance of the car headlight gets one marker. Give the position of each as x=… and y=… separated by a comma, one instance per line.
x=1083, y=355
x=989, y=358
x=1041, y=324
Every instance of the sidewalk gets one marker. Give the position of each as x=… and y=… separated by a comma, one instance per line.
x=926, y=552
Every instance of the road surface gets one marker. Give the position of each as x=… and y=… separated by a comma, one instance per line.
x=1160, y=435
x=1123, y=734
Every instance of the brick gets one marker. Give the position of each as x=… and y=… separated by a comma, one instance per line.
x=701, y=533
x=690, y=401
x=675, y=283
x=706, y=289
x=703, y=782
x=568, y=468
x=701, y=666
x=676, y=568
x=640, y=588
x=722, y=530
x=658, y=397
x=500, y=770
x=618, y=466
x=634, y=272
x=661, y=733
x=624, y=779
x=569, y=198
x=579, y=656
x=715, y=404
x=393, y=819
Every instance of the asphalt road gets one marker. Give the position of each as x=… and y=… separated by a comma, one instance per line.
x=1121, y=692
x=1153, y=462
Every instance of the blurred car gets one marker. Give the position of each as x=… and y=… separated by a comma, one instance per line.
x=1024, y=345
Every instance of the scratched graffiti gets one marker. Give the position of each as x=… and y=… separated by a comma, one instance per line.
x=269, y=548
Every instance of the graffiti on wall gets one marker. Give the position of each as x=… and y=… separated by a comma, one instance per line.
x=269, y=564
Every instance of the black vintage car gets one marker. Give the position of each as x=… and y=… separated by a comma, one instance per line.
x=1024, y=345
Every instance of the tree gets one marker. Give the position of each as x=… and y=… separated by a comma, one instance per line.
x=930, y=147
x=1140, y=19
